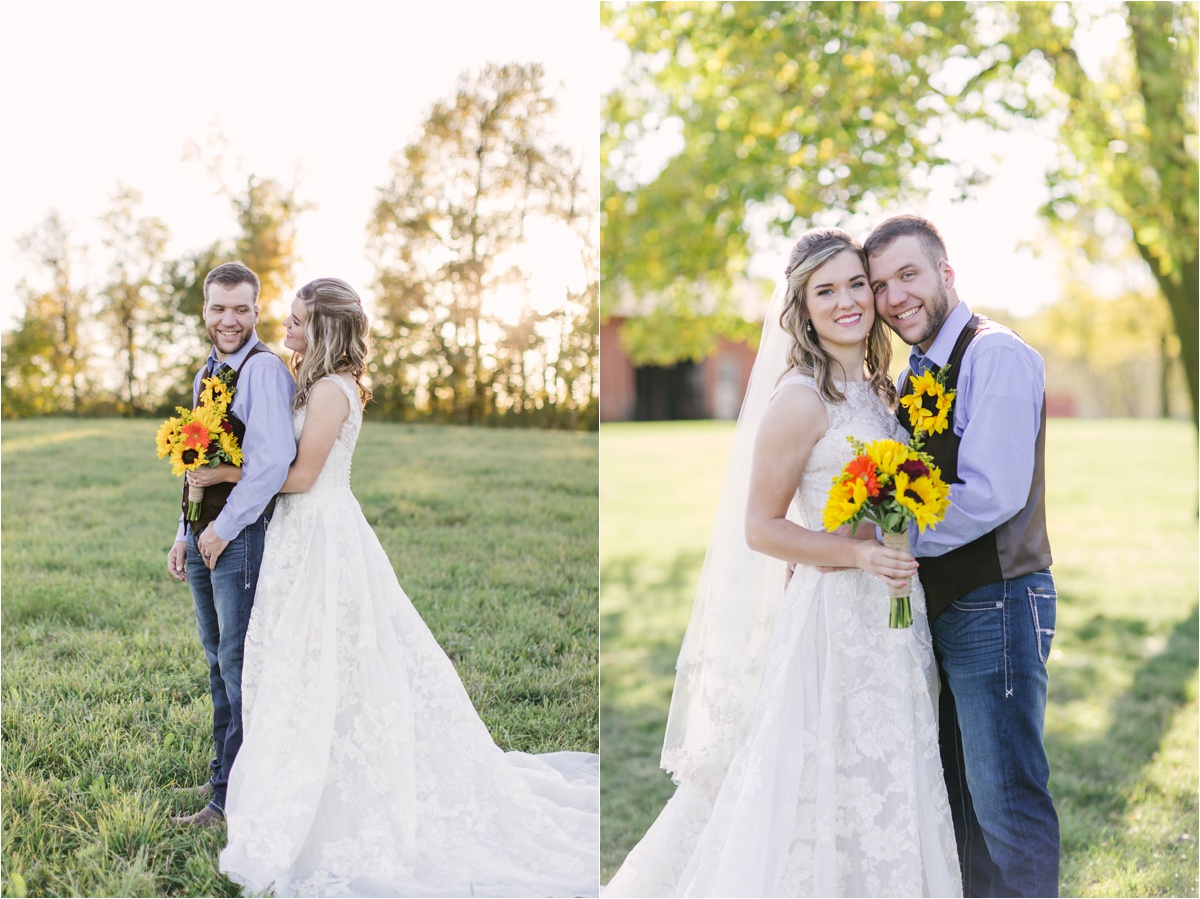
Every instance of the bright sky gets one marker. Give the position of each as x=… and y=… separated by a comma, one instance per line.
x=96, y=93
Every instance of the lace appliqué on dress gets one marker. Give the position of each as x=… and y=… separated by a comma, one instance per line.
x=364, y=768
x=836, y=789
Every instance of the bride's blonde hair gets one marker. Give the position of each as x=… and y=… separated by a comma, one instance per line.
x=337, y=334
x=806, y=355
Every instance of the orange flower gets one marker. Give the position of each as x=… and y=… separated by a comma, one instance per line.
x=195, y=435
x=863, y=468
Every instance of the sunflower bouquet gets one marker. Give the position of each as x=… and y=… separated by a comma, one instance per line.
x=890, y=484
x=201, y=436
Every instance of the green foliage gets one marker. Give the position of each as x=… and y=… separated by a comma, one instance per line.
x=796, y=113
x=1115, y=356
x=105, y=689
x=1121, y=727
x=46, y=363
x=1129, y=143
x=446, y=235
x=129, y=301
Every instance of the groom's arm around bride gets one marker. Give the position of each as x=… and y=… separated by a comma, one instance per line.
x=220, y=554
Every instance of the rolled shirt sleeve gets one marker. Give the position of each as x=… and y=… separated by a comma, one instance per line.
x=264, y=403
x=997, y=413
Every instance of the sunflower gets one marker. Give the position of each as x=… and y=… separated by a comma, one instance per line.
x=168, y=433
x=185, y=458
x=845, y=499
x=925, y=497
x=920, y=416
x=216, y=393
x=229, y=446
x=210, y=417
x=887, y=455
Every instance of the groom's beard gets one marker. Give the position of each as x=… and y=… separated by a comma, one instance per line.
x=936, y=310
x=217, y=339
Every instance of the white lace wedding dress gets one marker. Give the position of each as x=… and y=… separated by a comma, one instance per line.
x=365, y=770
x=837, y=787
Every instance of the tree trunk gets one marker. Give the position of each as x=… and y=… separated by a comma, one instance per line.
x=1181, y=294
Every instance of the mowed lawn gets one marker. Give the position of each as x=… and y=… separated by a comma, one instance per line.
x=104, y=685
x=1122, y=721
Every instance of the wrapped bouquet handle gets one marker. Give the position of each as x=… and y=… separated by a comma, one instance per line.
x=900, y=614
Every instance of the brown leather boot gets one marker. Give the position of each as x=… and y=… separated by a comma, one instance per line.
x=206, y=817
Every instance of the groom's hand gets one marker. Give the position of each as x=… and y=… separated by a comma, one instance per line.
x=177, y=561
x=211, y=546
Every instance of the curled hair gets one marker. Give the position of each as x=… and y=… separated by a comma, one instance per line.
x=806, y=355
x=229, y=275
x=337, y=335
x=891, y=230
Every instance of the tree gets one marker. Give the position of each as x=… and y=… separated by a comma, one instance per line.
x=46, y=361
x=266, y=216
x=789, y=114
x=447, y=228
x=1129, y=143
x=130, y=299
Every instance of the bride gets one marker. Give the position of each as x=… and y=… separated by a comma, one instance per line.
x=364, y=769
x=802, y=733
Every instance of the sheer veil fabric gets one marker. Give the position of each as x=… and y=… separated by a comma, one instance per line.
x=365, y=770
x=720, y=663
x=802, y=732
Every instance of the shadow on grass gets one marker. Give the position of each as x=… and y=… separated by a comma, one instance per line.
x=1095, y=778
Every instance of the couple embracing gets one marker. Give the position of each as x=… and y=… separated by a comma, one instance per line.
x=349, y=758
x=817, y=751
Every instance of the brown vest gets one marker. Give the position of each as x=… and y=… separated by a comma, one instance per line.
x=216, y=495
x=1019, y=545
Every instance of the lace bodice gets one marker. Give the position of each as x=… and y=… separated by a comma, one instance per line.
x=336, y=473
x=862, y=415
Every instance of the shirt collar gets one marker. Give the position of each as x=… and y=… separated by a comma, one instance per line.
x=236, y=360
x=943, y=344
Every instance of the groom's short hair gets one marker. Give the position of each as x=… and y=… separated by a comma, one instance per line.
x=229, y=275
x=888, y=232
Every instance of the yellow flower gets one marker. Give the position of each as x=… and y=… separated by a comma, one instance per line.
x=230, y=447
x=845, y=499
x=887, y=455
x=921, y=418
x=185, y=458
x=210, y=417
x=168, y=433
x=926, y=497
x=215, y=393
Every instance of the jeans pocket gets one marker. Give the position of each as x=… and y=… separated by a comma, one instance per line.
x=1043, y=607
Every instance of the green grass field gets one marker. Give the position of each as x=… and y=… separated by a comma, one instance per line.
x=104, y=685
x=1122, y=723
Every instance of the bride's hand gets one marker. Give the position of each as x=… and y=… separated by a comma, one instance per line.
x=221, y=474
x=892, y=566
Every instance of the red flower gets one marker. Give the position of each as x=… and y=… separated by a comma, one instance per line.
x=914, y=468
x=195, y=435
x=226, y=426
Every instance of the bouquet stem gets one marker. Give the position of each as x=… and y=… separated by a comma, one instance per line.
x=195, y=497
x=900, y=614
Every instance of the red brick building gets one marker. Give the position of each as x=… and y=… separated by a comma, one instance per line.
x=712, y=388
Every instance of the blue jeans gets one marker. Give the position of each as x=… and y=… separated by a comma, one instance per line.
x=991, y=647
x=223, y=598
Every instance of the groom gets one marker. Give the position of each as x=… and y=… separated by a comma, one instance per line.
x=985, y=568
x=219, y=555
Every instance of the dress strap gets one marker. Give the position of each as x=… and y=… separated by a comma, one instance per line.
x=348, y=389
x=797, y=378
